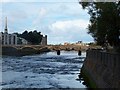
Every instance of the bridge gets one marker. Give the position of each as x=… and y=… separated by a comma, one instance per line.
x=20, y=50
x=51, y=47
x=37, y=49
x=67, y=47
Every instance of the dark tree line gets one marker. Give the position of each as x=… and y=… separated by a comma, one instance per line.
x=33, y=37
x=104, y=22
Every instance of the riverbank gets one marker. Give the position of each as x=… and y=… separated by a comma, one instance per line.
x=12, y=51
x=101, y=69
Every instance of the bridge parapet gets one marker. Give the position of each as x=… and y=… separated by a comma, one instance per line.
x=67, y=47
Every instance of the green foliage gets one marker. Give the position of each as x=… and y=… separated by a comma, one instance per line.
x=104, y=21
x=32, y=37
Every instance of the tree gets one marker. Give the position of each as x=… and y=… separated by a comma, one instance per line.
x=33, y=37
x=104, y=22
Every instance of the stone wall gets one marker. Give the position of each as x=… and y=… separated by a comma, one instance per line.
x=13, y=51
x=68, y=47
x=102, y=68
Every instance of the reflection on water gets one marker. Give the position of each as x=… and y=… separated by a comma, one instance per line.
x=47, y=70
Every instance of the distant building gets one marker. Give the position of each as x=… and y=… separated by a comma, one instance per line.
x=8, y=39
x=44, y=40
x=66, y=43
x=79, y=42
x=22, y=41
x=0, y=38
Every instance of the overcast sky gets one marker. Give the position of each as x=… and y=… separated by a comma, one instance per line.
x=61, y=20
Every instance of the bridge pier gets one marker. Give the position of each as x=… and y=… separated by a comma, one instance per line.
x=58, y=52
x=79, y=52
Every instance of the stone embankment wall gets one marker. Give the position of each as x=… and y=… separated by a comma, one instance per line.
x=12, y=51
x=101, y=69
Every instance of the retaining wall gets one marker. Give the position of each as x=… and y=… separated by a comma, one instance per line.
x=102, y=68
x=12, y=51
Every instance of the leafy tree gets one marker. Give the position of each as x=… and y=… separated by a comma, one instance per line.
x=17, y=34
x=25, y=35
x=33, y=37
x=104, y=22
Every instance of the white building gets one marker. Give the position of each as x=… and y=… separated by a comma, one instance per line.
x=8, y=39
x=24, y=41
x=21, y=41
x=44, y=40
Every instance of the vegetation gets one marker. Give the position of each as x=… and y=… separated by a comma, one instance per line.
x=104, y=22
x=33, y=37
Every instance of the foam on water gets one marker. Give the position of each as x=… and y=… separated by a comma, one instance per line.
x=42, y=71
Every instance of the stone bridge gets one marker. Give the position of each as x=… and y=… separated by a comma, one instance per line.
x=36, y=49
x=51, y=47
x=67, y=47
x=20, y=50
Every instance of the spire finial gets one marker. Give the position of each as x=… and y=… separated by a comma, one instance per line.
x=6, y=29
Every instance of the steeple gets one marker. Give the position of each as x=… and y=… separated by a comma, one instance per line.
x=6, y=29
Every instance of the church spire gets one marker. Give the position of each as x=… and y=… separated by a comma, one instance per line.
x=6, y=29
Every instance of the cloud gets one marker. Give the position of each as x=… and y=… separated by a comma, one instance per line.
x=69, y=23
x=39, y=1
x=62, y=22
x=69, y=31
x=15, y=0
x=7, y=0
x=42, y=13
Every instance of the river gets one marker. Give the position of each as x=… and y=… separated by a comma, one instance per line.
x=47, y=70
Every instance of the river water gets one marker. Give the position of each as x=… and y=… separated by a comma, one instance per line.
x=47, y=70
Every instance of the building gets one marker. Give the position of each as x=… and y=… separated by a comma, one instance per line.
x=66, y=43
x=8, y=39
x=44, y=40
x=21, y=41
x=0, y=38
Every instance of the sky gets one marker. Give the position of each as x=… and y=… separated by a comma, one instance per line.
x=61, y=20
